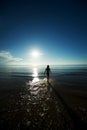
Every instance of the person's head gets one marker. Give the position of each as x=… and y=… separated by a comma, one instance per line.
x=47, y=66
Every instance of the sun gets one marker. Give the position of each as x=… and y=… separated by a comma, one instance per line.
x=35, y=54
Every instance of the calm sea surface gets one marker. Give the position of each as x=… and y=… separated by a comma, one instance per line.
x=16, y=76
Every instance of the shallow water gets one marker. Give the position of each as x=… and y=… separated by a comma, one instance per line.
x=12, y=76
x=26, y=100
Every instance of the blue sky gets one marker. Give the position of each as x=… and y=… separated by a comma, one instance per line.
x=57, y=30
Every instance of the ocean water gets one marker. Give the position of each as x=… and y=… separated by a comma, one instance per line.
x=13, y=76
x=25, y=99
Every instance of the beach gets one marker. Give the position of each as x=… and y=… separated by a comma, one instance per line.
x=30, y=102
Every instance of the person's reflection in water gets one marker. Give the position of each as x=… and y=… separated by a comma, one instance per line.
x=47, y=72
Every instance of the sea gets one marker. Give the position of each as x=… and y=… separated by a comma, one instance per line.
x=16, y=76
x=23, y=98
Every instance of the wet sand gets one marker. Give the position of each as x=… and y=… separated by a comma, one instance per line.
x=75, y=100
x=38, y=105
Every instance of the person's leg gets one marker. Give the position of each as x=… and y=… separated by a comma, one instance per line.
x=48, y=77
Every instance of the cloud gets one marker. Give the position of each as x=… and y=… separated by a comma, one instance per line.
x=6, y=58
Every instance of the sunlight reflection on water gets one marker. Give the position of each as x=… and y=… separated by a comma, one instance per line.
x=36, y=79
x=35, y=76
x=35, y=72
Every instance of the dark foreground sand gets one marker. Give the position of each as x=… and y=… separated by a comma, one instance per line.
x=38, y=105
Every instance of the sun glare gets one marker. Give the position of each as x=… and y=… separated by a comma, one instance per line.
x=35, y=75
x=35, y=54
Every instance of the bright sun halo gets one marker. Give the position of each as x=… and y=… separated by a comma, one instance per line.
x=35, y=54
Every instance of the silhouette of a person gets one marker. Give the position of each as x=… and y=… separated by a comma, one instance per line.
x=47, y=71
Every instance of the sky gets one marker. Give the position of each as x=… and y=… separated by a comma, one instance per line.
x=37, y=32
